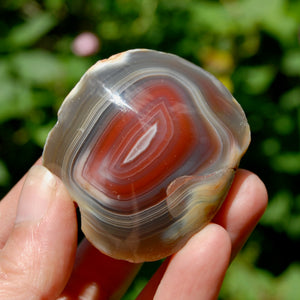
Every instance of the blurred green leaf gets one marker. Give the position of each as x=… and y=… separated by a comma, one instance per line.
x=27, y=33
x=283, y=214
x=293, y=227
x=4, y=69
x=287, y=162
x=4, y=174
x=290, y=99
x=277, y=21
x=54, y=4
x=271, y=146
x=38, y=67
x=110, y=30
x=242, y=275
x=288, y=287
x=278, y=211
x=15, y=100
x=291, y=63
x=212, y=17
x=284, y=124
x=257, y=79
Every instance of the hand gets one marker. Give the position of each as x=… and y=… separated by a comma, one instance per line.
x=38, y=240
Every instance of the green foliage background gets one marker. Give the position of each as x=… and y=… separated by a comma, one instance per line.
x=252, y=46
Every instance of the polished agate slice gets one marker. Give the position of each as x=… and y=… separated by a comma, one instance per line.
x=147, y=144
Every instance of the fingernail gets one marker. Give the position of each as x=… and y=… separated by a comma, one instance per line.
x=37, y=192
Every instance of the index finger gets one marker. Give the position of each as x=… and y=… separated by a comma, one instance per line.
x=242, y=209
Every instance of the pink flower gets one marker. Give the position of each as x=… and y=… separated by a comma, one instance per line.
x=85, y=44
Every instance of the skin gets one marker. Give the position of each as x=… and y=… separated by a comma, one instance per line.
x=38, y=242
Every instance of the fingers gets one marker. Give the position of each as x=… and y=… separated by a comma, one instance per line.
x=205, y=264
x=197, y=270
x=244, y=206
x=37, y=258
x=97, y=276
x=8, y=209
x=30, y=261
x=117, y=275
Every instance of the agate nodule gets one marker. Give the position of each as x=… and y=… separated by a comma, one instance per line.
x=147, y=144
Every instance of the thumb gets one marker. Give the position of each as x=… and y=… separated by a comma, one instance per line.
x=37, y=259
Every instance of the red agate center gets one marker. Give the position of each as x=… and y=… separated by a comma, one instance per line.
x=145, y=147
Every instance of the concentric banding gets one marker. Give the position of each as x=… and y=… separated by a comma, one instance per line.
x=147, y=144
